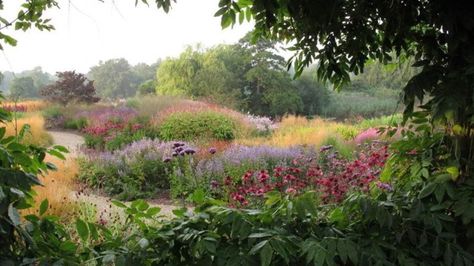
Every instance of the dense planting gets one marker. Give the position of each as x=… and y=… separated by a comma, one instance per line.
x=201, y=125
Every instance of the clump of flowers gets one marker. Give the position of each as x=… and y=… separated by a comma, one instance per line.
x=137, y=169
x=327, y=173
x=263, y=124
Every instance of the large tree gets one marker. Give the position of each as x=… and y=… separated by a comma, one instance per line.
x=70, y=87
x=114, y=78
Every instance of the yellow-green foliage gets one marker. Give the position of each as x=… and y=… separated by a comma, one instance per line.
x=294, y=131
x=37, y=135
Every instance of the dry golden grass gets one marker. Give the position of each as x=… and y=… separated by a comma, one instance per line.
x=37, y=134
x=30, y=105
x=295, y=130
x=57, y=188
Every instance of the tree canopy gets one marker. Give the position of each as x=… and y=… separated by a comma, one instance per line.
x=70, y=87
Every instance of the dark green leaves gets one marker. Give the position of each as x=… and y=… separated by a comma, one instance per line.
x=82, y=230
x=43, y=207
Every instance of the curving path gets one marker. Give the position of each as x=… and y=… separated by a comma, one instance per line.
x=73, y=142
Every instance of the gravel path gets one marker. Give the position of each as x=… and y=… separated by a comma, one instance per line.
x=73, y=142
x=69, y=140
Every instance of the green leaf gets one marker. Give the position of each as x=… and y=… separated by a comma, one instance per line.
x=266, y=255
x=226, y=20
x=3, y=130
x=15, y=146
x=57, y=154
x=153, y=211
x=43, y=207
x=454, y=172
x=68, y=247
x=61, y=148
x=2, y=194
x=82, y=229
x=14, y=215
x=119, y=204
x=255, y=249
x=427, y=190
x=259, y=235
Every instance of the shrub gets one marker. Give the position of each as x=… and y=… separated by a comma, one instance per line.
x=76, y=124
x=202, y=125
x=140, y=169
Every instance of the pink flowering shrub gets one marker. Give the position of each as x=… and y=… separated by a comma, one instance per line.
x=367, y=135
x=327, y=173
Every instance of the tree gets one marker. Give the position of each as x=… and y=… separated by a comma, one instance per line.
x=23, y=87
x=70, y=87
x=114, y=79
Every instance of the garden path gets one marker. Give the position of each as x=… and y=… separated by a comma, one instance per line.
x=73, y=142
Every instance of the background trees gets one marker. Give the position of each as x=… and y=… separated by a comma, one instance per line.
x=116, y=78
x=23, y=87
x=70, y=87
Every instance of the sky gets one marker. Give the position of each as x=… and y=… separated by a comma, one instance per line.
x=88, y=31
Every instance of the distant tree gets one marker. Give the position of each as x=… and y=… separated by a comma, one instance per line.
x=143, y=72
x=114, y=79
x=23, y=87
x=312, y=92
x=70, y=87
x=40, y=78
x=147, y=87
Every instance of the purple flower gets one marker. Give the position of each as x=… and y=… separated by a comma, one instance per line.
x=214, y=184
x=167, y=160
x=384, y=186
x=212, y=150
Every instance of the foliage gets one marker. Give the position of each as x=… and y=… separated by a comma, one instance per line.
x=201, y=125
x=23, y=87
x=21, y=165
x=140, y=169
x=70, y=87
x=352, y=104
x=116, y=78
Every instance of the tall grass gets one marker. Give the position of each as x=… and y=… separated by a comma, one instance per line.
x=294, y=131
x=37, y=135
x=57, y=188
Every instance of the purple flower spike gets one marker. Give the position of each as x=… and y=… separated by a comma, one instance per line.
x=176, y=144
x=174, y=154
x=212, y=150
x=167, y=160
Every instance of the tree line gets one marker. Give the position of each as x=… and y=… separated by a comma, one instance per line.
x=248, y=76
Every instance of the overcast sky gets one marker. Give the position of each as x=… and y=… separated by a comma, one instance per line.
x=88, y=31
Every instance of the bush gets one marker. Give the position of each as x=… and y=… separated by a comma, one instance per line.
x=206, y=125
x=76, y=124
